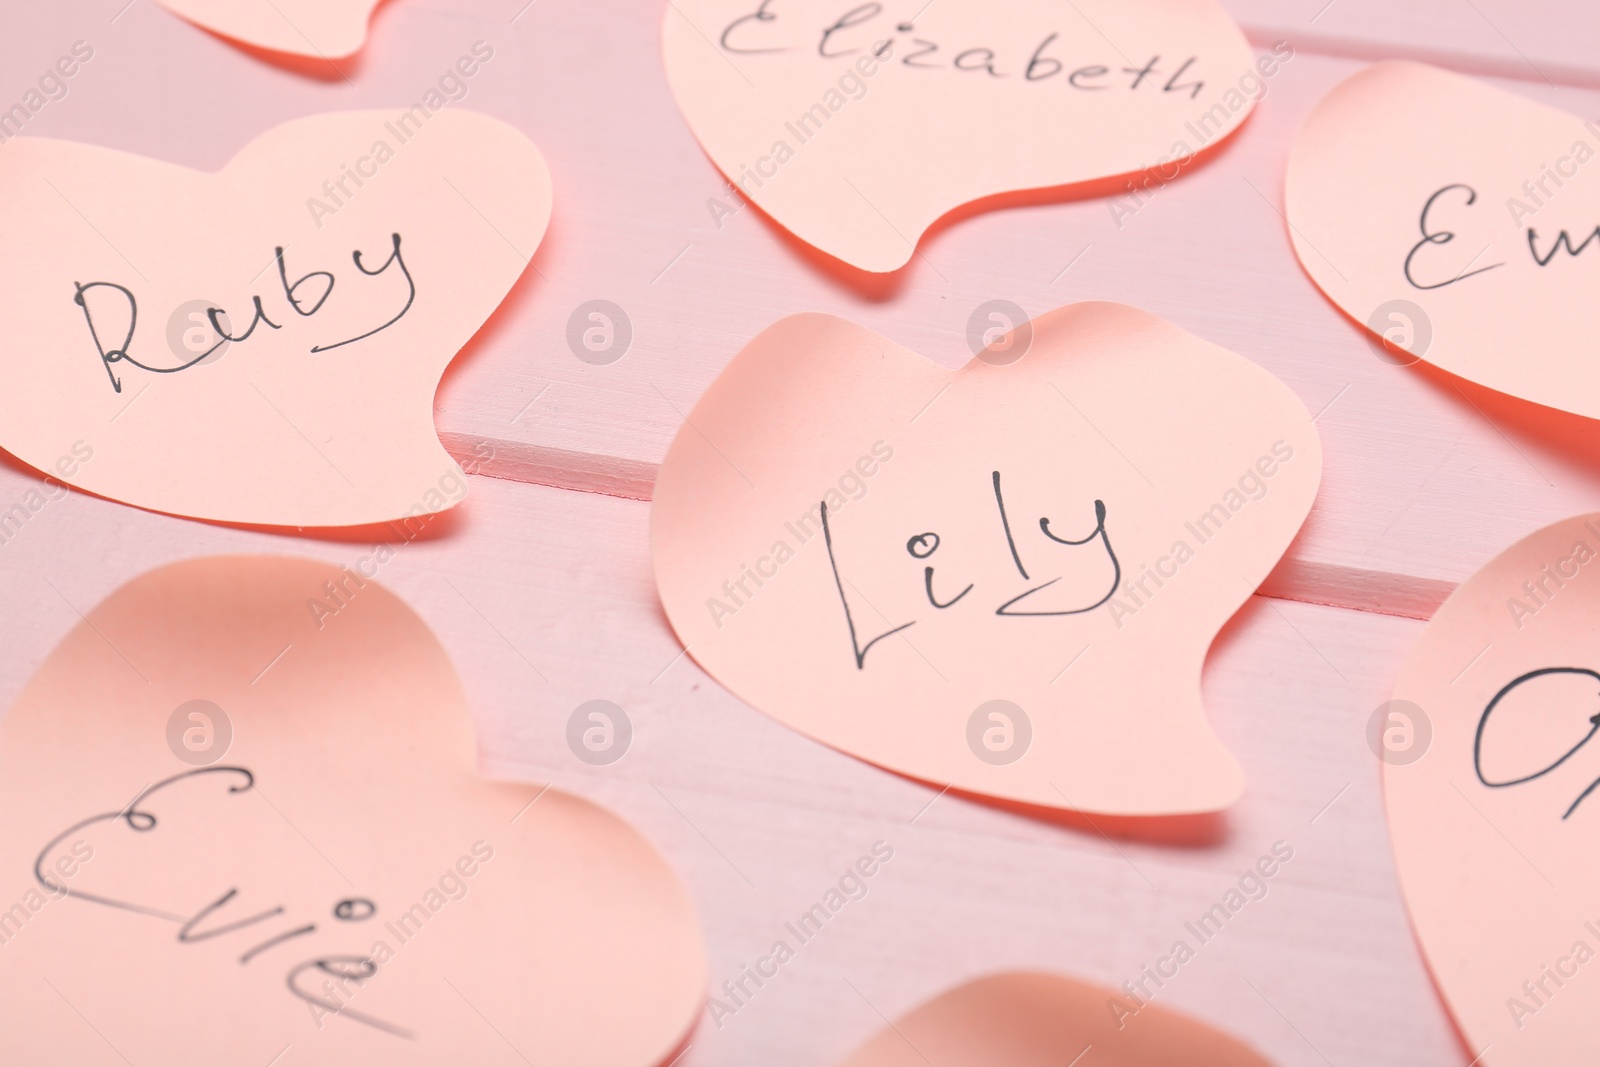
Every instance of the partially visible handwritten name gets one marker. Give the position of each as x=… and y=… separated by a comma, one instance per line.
x=1435, y=233
x=1588, y=711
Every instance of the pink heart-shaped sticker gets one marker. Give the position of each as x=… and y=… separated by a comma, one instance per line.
x=260, y=345
x=1490, y=776
x=314, y=29
x=233, y=831
x=1003, y=579
x=1458, y=222
x=857, y=128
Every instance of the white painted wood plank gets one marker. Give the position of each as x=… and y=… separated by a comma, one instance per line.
x=1421, y=486
x=1547, y=42
x=543, y=598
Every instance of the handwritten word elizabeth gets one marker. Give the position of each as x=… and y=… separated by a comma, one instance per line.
x=851, y=34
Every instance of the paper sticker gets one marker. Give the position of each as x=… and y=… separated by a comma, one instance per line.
x=1005, y=578
x=1491, y=779
x=232, y=833
x=1021, y=1019
x=858, y=126
x=316, y=29
x=1460, y=224
x=260, y=345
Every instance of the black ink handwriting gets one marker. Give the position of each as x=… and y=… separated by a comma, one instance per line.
x=922, y=546
x=1510, y=688
x=118, y=304
x=1441, y=237
x=1563, y=240
x=140, y=818
x=835, y=40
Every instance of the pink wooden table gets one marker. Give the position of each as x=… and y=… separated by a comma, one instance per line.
x=540, y=585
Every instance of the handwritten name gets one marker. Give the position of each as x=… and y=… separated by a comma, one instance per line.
x=301, y=301
x=1431, y=224
x=338, y=971
x=1589, y=711
x=850, y=34
x=943, y=594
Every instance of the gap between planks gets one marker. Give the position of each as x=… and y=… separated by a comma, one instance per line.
x=1328, y=584
x=1476, y=64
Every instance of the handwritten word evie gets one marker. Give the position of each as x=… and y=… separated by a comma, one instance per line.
x=451, y=886
x=922, y=546
x=340, y=973
x=744, y=36
x=1434, y=234
x=302, y=305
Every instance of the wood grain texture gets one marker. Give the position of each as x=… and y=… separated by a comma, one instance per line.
x=544, y=598
x=1408, y=449
x=1543, y=42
